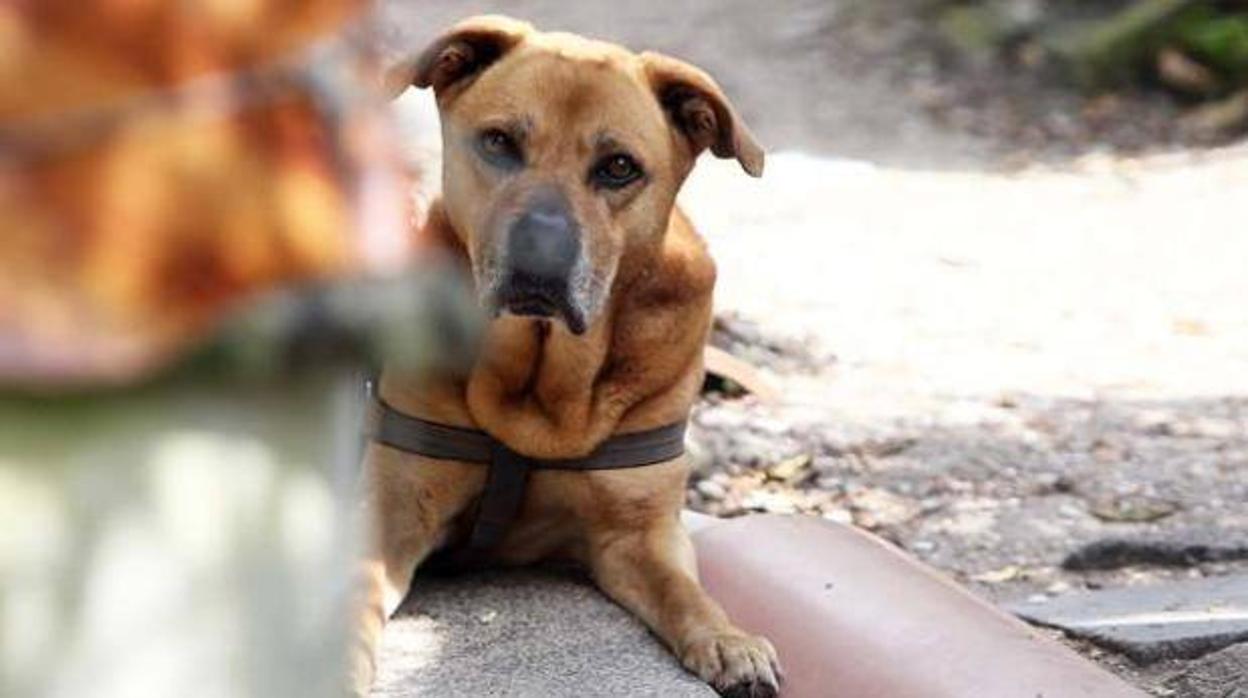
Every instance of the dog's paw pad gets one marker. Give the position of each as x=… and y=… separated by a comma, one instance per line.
x=737, y=665
x=750, y=689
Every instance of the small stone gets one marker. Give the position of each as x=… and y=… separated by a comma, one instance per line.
x=1132, y=509
x=1107, y=452
x=701, y=458
x=770, y=426
x=725, y=417
x=838, y=515
x=1069, y=511
x=711, y=490
x=875, y=508
x=1179, y=72
x=885, y=448
x=1212, y=428
x=1058, y=587
x=1216, y=120
x=829, y=484
x=997, y=576
x=791, y=470
x=770, y=502
x=1053, y=483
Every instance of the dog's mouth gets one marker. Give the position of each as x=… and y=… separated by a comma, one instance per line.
x=538, y=300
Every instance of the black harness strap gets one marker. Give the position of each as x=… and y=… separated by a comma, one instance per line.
x=509, y=471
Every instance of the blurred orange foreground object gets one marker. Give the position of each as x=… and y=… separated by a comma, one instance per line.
x=852, y=617
x=162, y=161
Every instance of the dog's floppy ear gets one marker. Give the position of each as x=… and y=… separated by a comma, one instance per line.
x=458, y=55
x=699, y=109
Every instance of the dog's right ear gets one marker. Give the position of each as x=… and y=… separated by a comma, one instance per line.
x=451, y=62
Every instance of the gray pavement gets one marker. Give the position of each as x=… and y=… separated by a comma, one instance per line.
x=1154, y=622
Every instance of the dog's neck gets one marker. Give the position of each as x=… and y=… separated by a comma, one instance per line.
x=551, y=394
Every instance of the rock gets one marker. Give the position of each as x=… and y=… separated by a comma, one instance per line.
x=791, y=470
x=884, y=448
x=1217, y=120
x=838, y=515
x=1054, y=483
x=876, y=508
x=1223, y=674
x=769, y=501
x=711, y=490
x=723, y=417
x=1132, y=508
x=997, y=576
x=701, y=458
x=1151, y=623
x=1203, y=428
x=1179, y=72
x=1058, y=587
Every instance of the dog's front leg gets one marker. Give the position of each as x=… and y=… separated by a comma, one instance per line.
x=653, y=573
x=408, y=504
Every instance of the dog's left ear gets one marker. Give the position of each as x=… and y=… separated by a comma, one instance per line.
x=699, y=109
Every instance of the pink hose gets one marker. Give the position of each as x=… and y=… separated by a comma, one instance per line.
x=852, y=617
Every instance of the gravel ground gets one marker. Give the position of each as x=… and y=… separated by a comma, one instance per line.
x=992, y=366
x=1023, y=364
x=864, y=79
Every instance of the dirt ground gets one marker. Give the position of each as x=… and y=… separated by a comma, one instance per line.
x=991, y=361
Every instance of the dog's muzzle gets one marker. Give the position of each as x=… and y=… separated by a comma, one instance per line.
x=543, y=251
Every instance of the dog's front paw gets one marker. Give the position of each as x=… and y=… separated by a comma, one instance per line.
x=735, y=664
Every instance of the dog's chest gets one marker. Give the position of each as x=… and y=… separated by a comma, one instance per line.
x=550, y=522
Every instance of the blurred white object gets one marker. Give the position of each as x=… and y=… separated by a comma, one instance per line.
x=184, y=542
x=419, y=131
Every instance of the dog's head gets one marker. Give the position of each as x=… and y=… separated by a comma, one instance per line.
x=563, y=157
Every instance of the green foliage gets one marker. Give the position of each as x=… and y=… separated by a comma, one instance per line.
x=974, y=30
x=1217, y=39
x=1108, y=44
x=1101, y=53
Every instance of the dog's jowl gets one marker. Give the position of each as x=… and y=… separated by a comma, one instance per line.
x=562, y=161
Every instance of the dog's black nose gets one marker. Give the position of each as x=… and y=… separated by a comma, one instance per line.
x=544, y=243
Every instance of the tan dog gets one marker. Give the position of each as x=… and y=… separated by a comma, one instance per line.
x=563, y=158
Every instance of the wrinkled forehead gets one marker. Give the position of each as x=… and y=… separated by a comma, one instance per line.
x=570, y=89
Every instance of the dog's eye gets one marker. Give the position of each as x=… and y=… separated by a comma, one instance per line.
x=499, y=148
x=616, y=171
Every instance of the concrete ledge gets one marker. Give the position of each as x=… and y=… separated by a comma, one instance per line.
x=850, y=615
x=542, y=632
